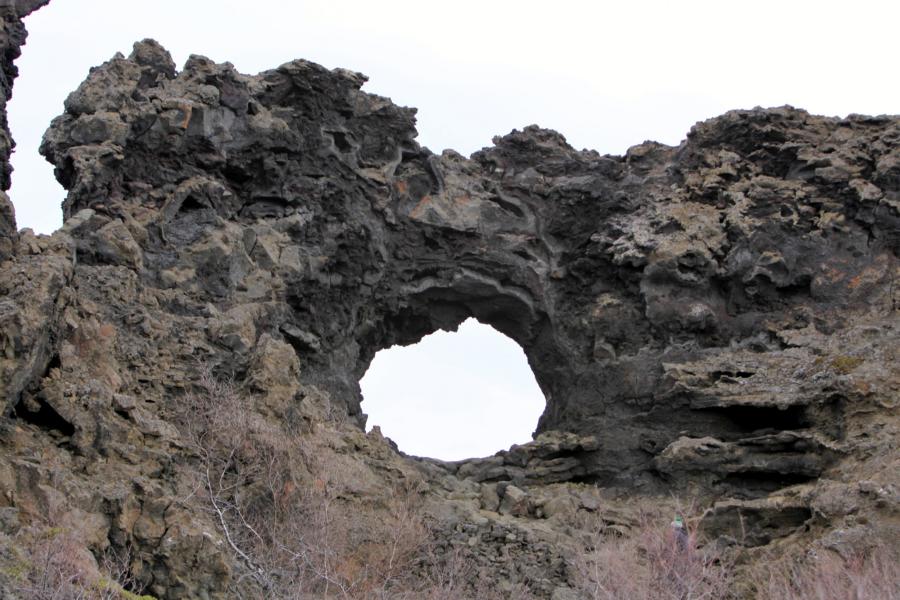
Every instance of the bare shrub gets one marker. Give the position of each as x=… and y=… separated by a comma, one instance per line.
x=49, y=563
x=824, y=575
x=291, y=517
x=651, y=563
x=449, y=576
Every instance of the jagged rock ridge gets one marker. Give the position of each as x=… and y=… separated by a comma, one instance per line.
x=718, y=318
x=12, y=36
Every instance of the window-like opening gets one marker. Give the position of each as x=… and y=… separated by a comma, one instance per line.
x=453, y=395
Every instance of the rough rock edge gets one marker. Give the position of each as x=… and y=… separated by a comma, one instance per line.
x=12, y=38
x=797, y=371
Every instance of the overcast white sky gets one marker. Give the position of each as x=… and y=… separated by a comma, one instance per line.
x=454, y=395
x=606, y=74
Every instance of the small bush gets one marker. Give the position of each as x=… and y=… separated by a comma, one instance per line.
x=292, y=516
x=49, y=563
x=651, y=563
x=870, y=575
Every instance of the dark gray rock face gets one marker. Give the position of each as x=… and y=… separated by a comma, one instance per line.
x=652, y=292
x=12, y=37
x=8, y=234
x=719, y=316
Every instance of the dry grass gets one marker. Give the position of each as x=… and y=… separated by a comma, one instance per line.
x=870, y=575
x=51, y=563
x=291, y=515
x=298, y=527
x=652, y=564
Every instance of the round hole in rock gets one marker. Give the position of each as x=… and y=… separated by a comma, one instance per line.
x=453, y=395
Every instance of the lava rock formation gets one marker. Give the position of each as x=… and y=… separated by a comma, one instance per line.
x=716, y=319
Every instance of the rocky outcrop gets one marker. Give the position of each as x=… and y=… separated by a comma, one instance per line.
x=716, y=319
x=12, y=37
x=551, y=458
x=296, y=188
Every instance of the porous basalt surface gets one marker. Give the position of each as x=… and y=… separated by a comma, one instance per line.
x=716, y=319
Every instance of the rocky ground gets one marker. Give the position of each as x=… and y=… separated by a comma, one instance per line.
x=714, y=323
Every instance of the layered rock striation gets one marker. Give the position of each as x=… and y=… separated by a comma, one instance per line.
x=717, y=318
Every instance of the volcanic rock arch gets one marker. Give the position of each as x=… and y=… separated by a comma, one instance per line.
x=297, y=205
x=719, y=317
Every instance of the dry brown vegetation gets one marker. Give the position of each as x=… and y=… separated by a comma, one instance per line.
x=651, y=563
x=285, y=509
x=51, y=563
x=290, y=516
x=825, y=575
x=299, y=525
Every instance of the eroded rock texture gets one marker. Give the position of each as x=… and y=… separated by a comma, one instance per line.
x=12, y=36
x=718, y=318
